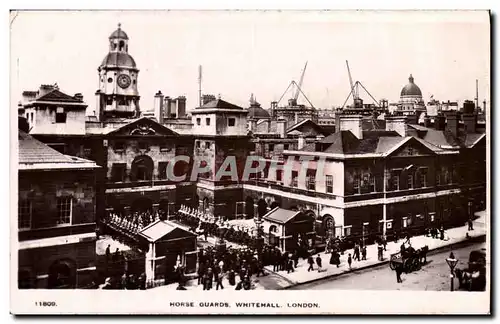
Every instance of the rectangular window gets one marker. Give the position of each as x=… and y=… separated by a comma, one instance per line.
x=271, y=148
x=231, y=122
x=356, y=184
x=24, y=210
x=207, y=145
x=438, y=179
x=118, y=171
x=162, y=170
x=347, y=230
x=432, y=217
x=198, y=143
x=423, y=178
x=395, y=181
x=295, y=180
x=311, y=182
x=405, y=222
x=143, y=145
x=163, y=147
x=64, y=207
x=207, y=121
x=60, y=115
x=410, y=181
x=329, y=184
x=198, y=121
x=279, y=175
x=285, y=146
x=119, y=146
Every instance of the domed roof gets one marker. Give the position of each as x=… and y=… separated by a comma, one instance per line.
x=119, y=59
x=257, y=112
x=119, y=33
x=411, y=89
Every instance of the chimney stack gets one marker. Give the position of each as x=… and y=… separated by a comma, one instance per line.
x=281, y=125
x=412, y=119
x=181, y=107
x=427, y=121
x=396, y=123
x=301, y=142
x=452, y=122
x=158, y=107
x=78, y=96
x=440, y=122
x=351, y=122
x=469, y=117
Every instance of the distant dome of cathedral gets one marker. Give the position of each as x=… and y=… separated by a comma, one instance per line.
x=257, y=112
x=411, y=89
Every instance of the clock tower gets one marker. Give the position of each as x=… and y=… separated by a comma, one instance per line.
x=117, y=96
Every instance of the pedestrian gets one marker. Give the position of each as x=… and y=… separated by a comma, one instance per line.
x=442, y=233
x=231, y=277
x=260, y=269
x=381, y=252
x=289, y=267
x=363, y=252
x=116, y=255
x=319, y=263
x=219, y=278
x=399, y=270
x=356, y=251
x=349, y=261
x=295, y=258
x=310, y=260
x=276, y=263
x=108, y=252
x=332, y=257
x=469, y=221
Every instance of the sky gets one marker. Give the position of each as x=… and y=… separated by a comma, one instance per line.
x=259, y=52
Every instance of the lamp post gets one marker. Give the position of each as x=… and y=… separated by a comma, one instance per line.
x=259, y=240
x=452, y=262
x=221, y=243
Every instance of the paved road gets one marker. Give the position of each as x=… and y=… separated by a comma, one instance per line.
x=433, y=276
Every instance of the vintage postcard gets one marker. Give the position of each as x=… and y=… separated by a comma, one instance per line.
x=250, y=162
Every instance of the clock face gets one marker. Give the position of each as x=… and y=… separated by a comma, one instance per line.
x=123, y=81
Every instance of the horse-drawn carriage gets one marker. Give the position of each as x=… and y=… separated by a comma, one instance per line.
x=409, y=258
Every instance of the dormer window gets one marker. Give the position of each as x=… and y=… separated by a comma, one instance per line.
x=60, y=115
x=119, y=146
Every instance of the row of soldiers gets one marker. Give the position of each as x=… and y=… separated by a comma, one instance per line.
x=203, y=224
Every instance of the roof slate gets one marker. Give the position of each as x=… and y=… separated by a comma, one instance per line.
x=280, y=215
x=58, y=96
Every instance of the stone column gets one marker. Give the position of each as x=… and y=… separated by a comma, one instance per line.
x=150, y=263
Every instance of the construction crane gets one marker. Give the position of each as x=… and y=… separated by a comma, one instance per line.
x=358, y=102
x=353, y=92
x=299, y=86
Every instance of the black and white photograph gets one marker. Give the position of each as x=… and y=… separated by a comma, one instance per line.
x=242, y=155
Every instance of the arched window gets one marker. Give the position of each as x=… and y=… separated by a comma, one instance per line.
x=273, y=229
x=142, y=168
x=262, y=207
x=121, y=46
x=62, y=275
